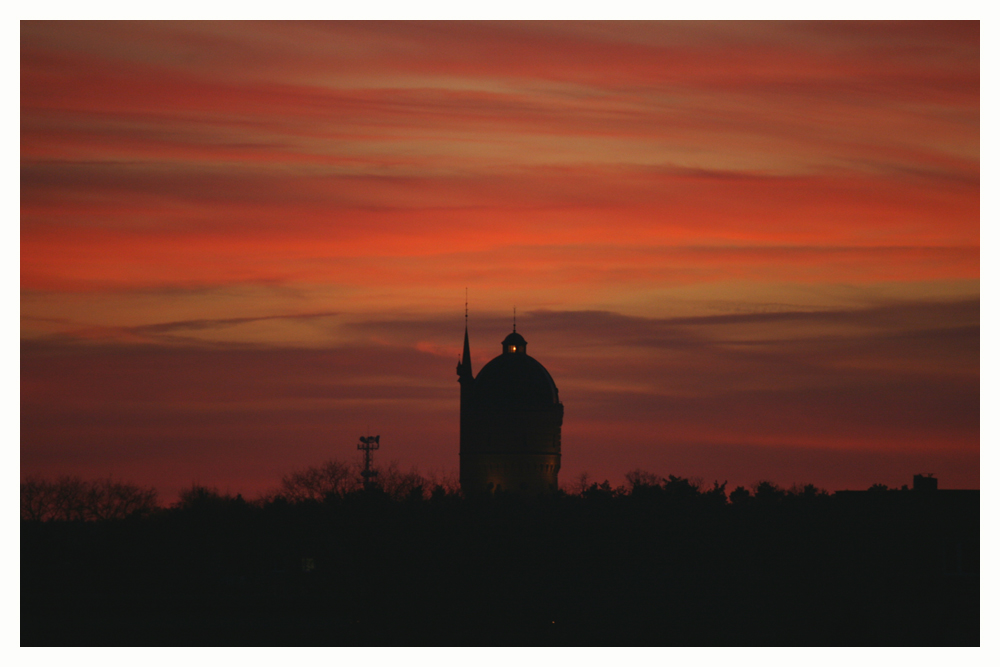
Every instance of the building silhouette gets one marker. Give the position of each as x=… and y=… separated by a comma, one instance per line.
x=511, y=423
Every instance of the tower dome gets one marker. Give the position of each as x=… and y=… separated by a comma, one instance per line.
x=516, y=380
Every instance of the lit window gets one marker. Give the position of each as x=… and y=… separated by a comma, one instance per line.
x=513, y=348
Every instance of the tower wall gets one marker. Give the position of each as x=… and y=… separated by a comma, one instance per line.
x=516, y=451
x=524, y=473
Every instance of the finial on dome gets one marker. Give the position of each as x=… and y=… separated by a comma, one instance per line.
x=515, y=318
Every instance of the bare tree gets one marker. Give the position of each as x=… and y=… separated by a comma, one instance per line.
x=316, y=482
x=338, y=478
x=400, y=485
x=69, y=499
x=73, y=499
x=580, y=484
x=639, y=478
x=37, y=499
x=110, y=499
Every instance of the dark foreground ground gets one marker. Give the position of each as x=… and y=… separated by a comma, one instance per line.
x=892, y=568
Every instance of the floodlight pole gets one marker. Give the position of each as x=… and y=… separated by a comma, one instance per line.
x=368, y=445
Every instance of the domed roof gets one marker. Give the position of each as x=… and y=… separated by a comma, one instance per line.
x=516, y=381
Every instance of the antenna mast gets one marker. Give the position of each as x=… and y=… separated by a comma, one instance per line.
x=368, y=445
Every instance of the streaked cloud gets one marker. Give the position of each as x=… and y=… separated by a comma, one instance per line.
x=739, y=243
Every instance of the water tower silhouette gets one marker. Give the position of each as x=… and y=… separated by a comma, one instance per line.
x=511, y=423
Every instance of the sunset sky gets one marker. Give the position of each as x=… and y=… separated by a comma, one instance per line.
x=744, y=251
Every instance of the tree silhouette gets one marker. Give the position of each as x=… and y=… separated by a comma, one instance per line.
x=580, y=484
x=807, y=492
x=203, y=499
x=37, y=499
x=717, y=494
x=400, y=485
x=602, y=491
x=107, y=499
x=681, y=487
x=639, y=479
x=676, y=563
x=74, y=499
x=336, y=479
x=767, y=492
x=317, y=482
x=739, y=496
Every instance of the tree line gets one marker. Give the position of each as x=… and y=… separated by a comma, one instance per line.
x=321, y=560
x=71, y=498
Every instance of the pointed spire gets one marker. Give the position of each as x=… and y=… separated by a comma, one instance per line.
x=515, y=318
x=464, y=369
x=466, y=356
